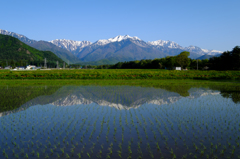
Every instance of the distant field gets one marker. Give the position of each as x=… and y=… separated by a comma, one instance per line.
x=119, y=74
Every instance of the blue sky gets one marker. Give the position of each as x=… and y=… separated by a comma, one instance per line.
x=209, y=24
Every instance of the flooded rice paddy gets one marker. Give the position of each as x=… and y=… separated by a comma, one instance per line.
x=122, y=122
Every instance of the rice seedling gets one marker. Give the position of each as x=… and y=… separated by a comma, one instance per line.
x=88, y=155
x=169, y=126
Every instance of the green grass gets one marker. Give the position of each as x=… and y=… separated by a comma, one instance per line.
x=120, y=74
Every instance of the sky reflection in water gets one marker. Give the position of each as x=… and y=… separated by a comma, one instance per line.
x=122, y=122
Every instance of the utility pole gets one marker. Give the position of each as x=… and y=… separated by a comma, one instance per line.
x=68, y=65
x=57, y=65
x=45, y=63
x=63, y=65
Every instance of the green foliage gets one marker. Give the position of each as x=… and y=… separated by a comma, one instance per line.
x=183, y=60
x=200, y=63
x=159, y=63
x=14, y=52
x=229, y=60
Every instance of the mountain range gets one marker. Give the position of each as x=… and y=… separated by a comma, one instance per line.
x=119, y=48
x=127, y=48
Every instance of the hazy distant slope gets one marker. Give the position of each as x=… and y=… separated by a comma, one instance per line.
x=62, y=53
x=205, y=57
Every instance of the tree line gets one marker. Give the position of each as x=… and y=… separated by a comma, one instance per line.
x=229, y=60
x=168, y=62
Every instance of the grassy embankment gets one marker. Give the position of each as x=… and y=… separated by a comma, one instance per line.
x=119, y=74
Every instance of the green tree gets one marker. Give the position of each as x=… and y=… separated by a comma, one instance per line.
x=183, y=60
x=119, y=65
x=229, y=60
x=235, y=55
x=170, y=62
x=156, y=63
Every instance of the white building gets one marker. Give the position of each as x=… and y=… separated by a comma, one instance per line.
x=19, y=68
x=29, y=67
x=8, y=67
x=177, y=68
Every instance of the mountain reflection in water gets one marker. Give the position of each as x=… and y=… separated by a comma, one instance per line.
x=120, y=121
x=120, y=97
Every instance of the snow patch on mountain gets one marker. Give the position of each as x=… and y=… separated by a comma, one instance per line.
x=115, y=39
x=77, y=46
x=70, y=45
x=18, y=36
x=161, y=44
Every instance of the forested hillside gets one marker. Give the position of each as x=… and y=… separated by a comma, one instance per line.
x=16, y=53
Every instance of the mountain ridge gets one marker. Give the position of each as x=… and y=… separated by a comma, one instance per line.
x=116, y=49
x=157, y=44
x=47, y=46
x=98, y=50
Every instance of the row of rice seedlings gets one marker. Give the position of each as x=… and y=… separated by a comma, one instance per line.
x=198, y=130
x=40, y=132
x=169, y=126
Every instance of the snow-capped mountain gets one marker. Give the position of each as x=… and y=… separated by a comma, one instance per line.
x=202, y=51
x=77, y=46
x=71, y=45
x=112, y=50
x=160, y=44
x=18, y=36
x=120, y=48
x=115, y=39
x=212, y=52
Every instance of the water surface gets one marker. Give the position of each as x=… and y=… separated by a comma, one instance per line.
x=120, y=122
